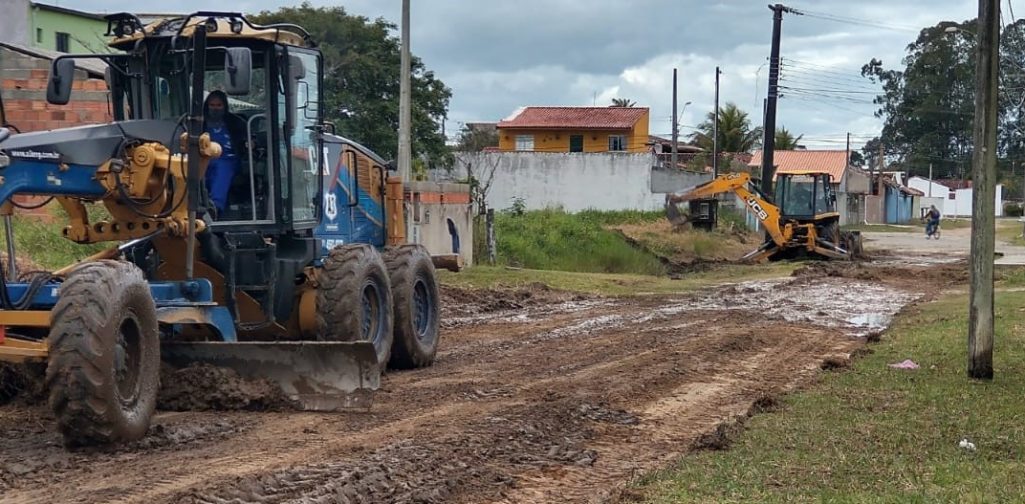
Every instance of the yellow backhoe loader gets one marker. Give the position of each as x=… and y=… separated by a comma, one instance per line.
x=805, y=222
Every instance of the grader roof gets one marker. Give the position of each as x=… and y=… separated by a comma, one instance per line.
x=219, y=28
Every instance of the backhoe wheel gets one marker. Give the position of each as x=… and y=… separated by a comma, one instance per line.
x=416, y=306
x=103, y=372
x=354, y=300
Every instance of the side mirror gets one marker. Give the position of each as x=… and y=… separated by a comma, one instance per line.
x=238, y=67
x=58, y=87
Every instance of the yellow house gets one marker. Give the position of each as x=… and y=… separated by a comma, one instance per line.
x=575, y=129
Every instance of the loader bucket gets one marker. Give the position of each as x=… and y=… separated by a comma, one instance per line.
x=318, y=375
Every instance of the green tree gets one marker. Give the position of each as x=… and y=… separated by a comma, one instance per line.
x=622, y=102
x=928, y=106
x=361, y=81
x=735, y=132
x=477, y=137
x=785, y=140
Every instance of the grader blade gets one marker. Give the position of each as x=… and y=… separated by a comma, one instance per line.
x=318, y=375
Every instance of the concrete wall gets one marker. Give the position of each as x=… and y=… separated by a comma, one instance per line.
x=956, y=202
x=439, y=216
x=925, y=202
x=577, y=181
x=15, y=23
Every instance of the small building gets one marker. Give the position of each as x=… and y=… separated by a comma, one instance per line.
x=850, y=183
x=952, y=196
x=575, y=129
x=439, y=216
x=53, y=28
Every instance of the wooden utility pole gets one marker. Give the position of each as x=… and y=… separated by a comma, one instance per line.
x=769, y=138
x=405, y=116
x=676, y=126
x=984, y=160
x=715, y=128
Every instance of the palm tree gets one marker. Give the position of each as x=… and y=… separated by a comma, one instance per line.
x=735, y=132
x=622, y=102
x=785, y=140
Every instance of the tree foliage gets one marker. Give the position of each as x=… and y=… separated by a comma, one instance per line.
x=622, y=102
x=735, y=131
x=361, y=81
x=928, y=106
x=785, y=140
x=477, y=137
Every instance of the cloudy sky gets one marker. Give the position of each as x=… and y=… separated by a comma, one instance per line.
x=497, y=56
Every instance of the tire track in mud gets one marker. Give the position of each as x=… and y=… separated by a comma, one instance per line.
x=522, y=409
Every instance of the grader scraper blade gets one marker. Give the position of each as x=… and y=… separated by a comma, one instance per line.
x=319, y=375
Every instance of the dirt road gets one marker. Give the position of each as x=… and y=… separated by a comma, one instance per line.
x=537, y=396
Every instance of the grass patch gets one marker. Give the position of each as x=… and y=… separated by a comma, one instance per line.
x=483, y=277
x=874, y=434
x=556, y=240
x=1009, y=231
x=41, y=242
x=685, y=247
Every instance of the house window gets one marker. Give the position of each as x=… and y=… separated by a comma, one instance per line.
x=617, y=143
x=63, y=42
x=524, y=142
x=39, y=35
x=576, y=143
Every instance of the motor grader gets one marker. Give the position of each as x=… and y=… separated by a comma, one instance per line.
x=304, y=277
x=805, y=222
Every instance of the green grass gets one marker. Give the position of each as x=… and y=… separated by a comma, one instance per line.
x=874, y=434
x=41, y=241
x=611, y=284
x=1009, y=230
x=556, y=240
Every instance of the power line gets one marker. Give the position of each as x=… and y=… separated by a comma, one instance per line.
x=858, y=21
x=811, y=77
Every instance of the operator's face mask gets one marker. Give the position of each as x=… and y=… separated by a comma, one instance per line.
x=216, y=114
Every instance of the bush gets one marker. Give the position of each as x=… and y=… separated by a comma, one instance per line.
x=556, y=240
x=1013, y=210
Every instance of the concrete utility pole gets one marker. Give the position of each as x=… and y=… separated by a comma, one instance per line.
x=769, y=138
x=676, y=126
x=715, y=128
x=984, y=159
x=405, y=121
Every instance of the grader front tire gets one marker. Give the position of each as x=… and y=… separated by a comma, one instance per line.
x=103, y=372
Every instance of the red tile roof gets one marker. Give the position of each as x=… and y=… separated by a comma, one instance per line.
x=833, y=162
x=598, y=118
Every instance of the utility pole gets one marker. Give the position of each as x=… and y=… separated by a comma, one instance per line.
x=715, y=128
x=848, y=150
x=769, y=139
x=984, y=158
x=676, y=126
x=405, y=116
x=930, y=180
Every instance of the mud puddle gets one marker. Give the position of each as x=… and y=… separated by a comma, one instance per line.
x=855, y=308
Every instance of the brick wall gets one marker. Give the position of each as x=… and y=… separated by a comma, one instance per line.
x=24, y=91
x=23, y=80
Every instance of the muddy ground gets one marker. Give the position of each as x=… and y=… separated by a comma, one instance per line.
x=536, y=396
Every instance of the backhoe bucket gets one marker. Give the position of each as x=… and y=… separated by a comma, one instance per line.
x=318, y=375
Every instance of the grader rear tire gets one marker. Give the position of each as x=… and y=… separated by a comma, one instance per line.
x=416, y=306
x=354, y=299
x=103, y=371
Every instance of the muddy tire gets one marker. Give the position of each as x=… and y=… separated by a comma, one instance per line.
x=104, y=368
x=417, y=306
x=354, y=299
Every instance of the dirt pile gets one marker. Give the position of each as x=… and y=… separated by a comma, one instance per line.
x=688, y=250
x=464, y=302
x=21, y=382
x=890, y=272
x=203, y=387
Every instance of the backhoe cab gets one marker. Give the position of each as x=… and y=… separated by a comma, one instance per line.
x=803, y=222
x=300, y=274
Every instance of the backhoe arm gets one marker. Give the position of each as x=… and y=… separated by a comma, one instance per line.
x=766, y=212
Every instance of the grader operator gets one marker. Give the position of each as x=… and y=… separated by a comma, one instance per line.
x=805, y=222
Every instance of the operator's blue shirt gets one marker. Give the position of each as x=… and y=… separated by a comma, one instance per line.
x=221, y=170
